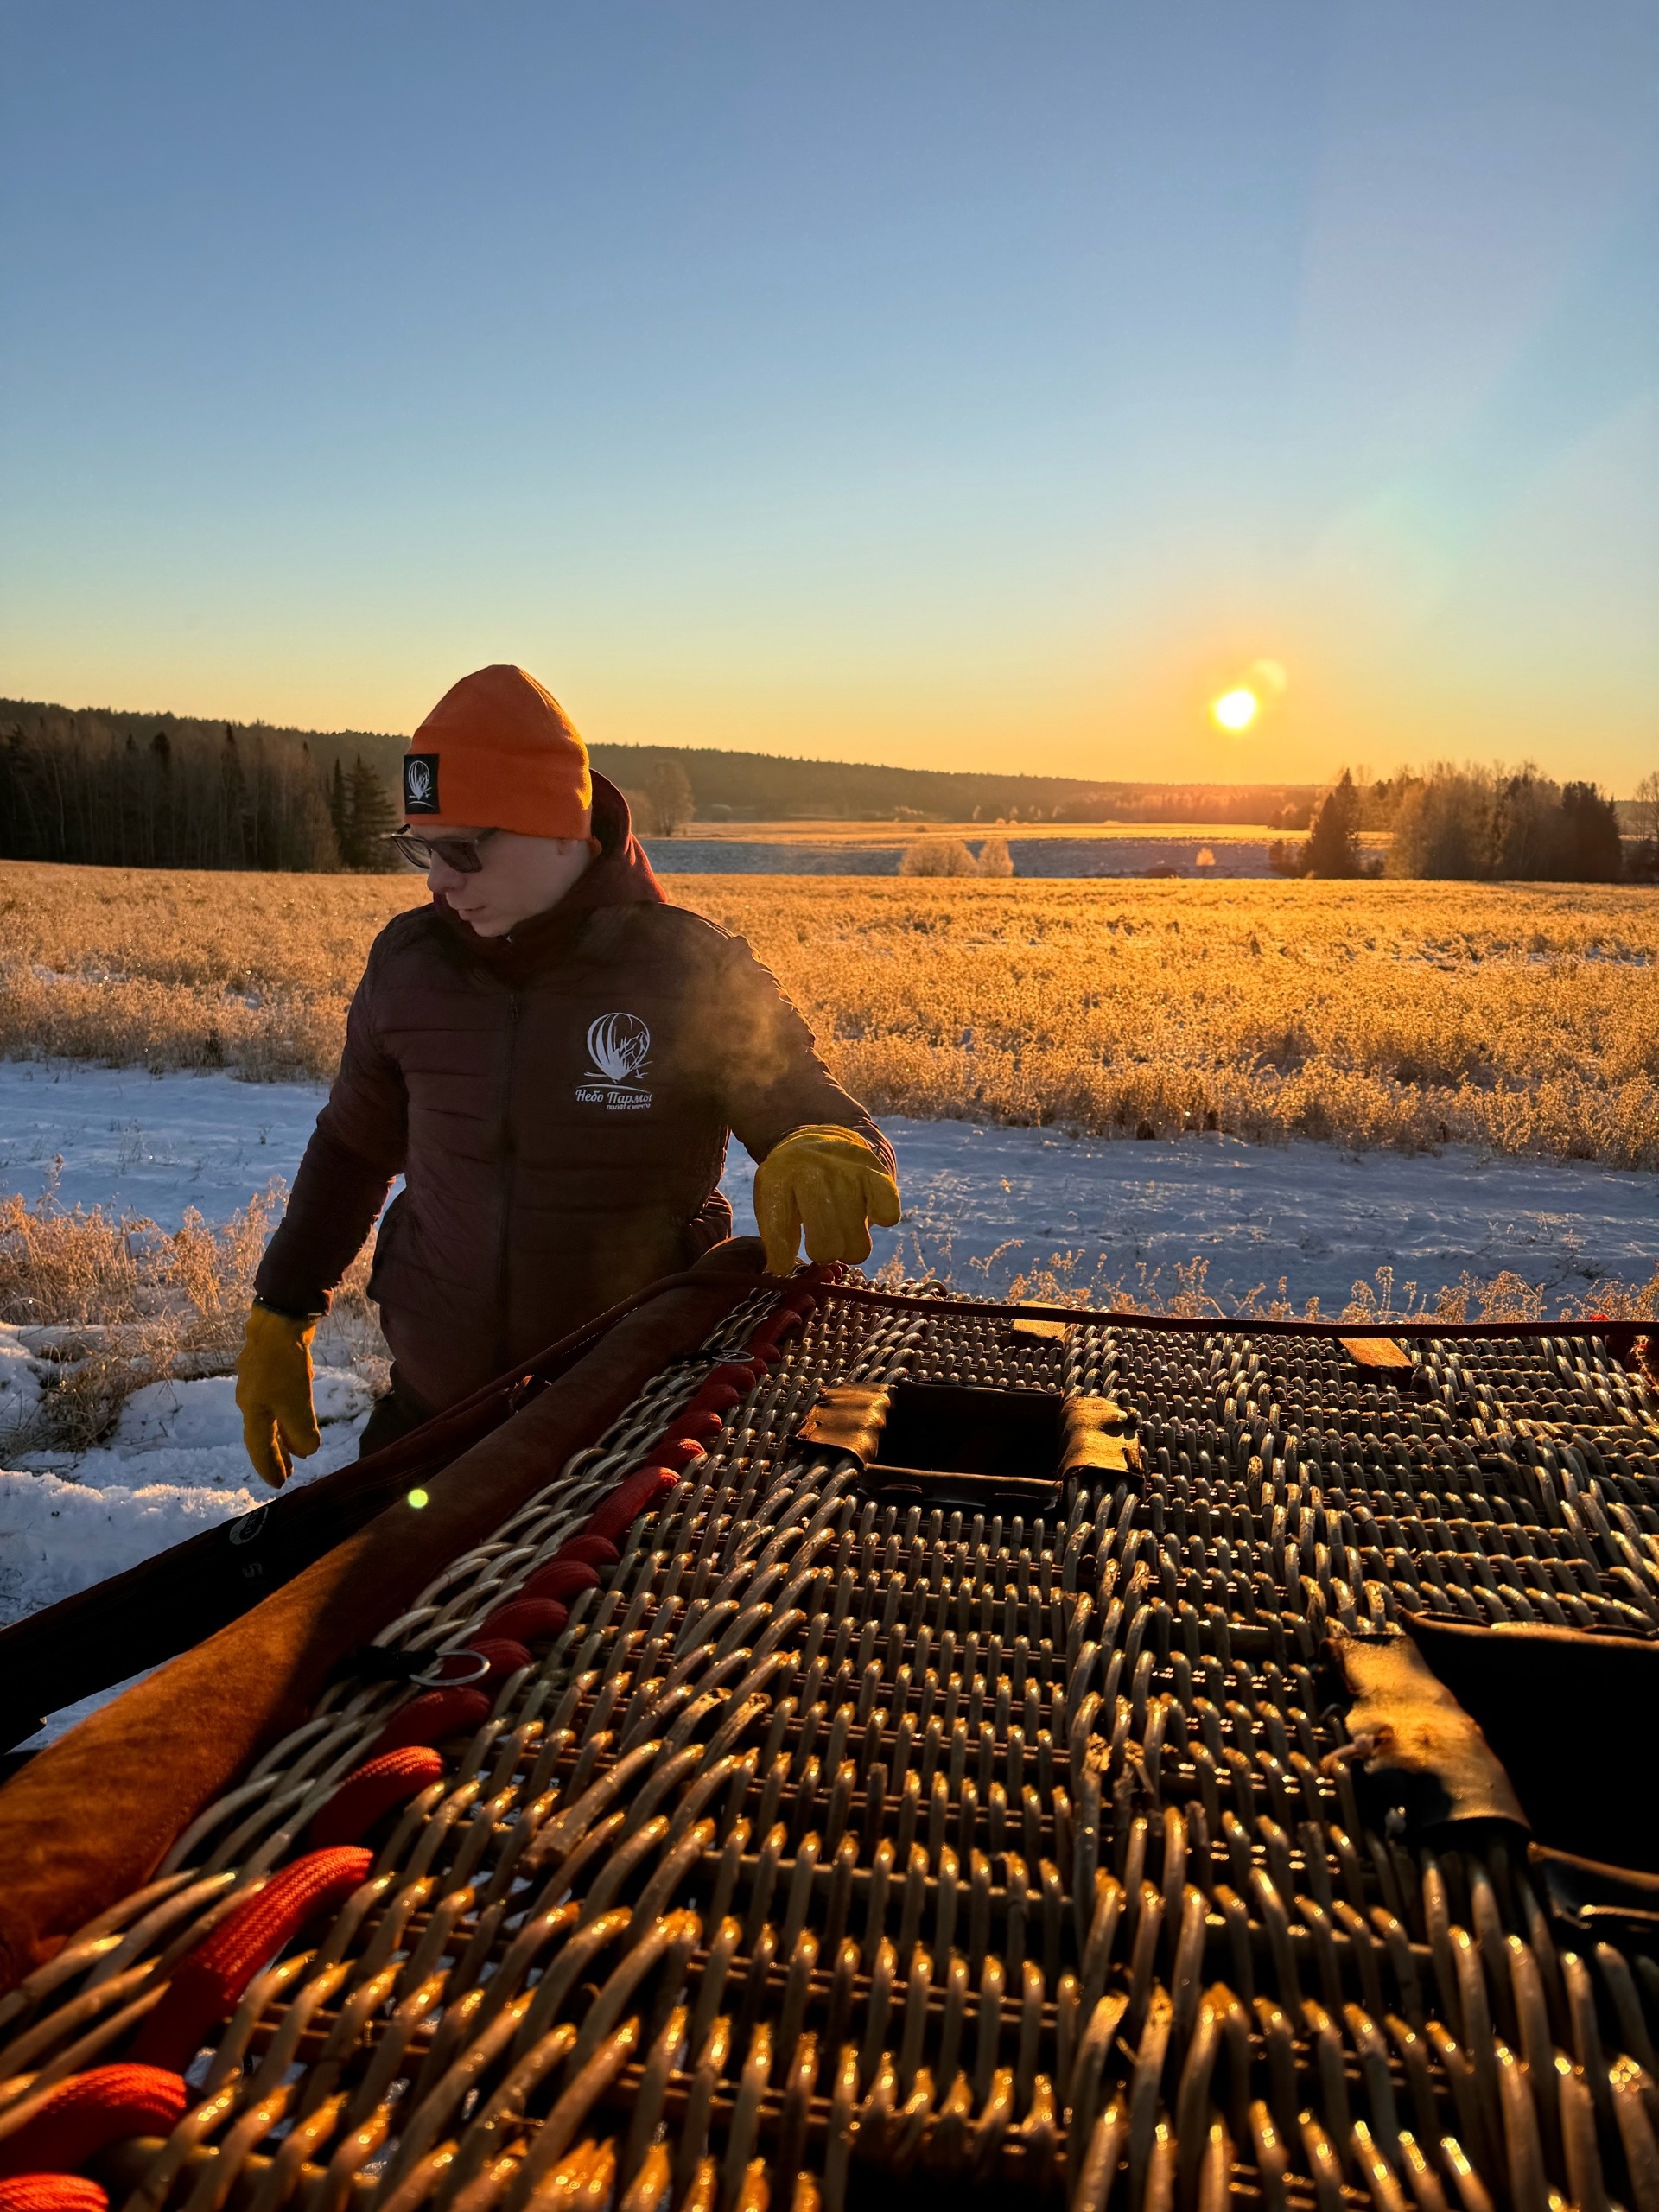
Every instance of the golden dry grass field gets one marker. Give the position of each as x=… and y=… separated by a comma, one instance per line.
x=1521, y=1018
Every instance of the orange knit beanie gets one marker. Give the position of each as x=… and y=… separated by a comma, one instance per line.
x=498, y=753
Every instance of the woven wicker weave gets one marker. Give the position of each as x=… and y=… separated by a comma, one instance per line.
x=841, y=1846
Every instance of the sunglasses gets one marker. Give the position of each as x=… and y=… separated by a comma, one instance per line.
x=460, y=853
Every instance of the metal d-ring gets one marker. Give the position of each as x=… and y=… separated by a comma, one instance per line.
x=433, y=1677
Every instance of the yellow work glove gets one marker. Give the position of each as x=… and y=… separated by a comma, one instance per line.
x=829, y=1182
x=273, y=1389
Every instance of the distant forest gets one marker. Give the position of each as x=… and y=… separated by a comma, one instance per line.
x=170, y=791
x=768, y=787
x=158, y=791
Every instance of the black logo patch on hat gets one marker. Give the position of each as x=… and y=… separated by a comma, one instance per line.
x=420, y=783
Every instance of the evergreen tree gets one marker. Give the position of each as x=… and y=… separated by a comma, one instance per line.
x=339, y=815
x=1595, y=852
x=369, y=815
x=166, y=832
x=21, y=832
x=1332, y=847
x=315, y=844
x=231, y=840
x=133, y=819
x=1529, y=833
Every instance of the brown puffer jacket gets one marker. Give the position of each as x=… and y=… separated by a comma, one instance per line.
x=558, y=1101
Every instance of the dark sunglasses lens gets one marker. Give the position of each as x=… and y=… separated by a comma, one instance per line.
x=460, y=853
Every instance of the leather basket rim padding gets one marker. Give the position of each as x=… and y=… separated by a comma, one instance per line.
x=89, y=1818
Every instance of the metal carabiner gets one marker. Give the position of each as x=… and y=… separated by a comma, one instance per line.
x=433, y=1677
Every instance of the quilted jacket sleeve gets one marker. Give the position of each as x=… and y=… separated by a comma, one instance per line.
x=356, y=1150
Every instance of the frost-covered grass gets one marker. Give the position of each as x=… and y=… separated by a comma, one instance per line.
x=98, y=1303
x=1521, y=1019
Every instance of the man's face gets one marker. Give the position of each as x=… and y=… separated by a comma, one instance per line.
x=518, y=876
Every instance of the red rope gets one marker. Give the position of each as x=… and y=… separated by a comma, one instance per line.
x=52, y=2193
x=207, y=1983
x=82, y=2114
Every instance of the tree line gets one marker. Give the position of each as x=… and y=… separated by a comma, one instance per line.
x=164, y=790
x=680, y=784
x=73, y=789
x=1472, y=825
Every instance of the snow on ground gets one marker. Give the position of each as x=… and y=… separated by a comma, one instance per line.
x=173, y=1466
x=1319, y=1219
x=149, y=1144
x=981, y=1205
x=155, y=1145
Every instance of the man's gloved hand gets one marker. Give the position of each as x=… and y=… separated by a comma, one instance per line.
x=273, y=1389
x=829, y=1182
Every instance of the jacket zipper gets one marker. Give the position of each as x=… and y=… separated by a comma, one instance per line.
x=509, y=1168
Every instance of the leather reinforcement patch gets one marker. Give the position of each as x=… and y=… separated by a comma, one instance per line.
x=1095, y=1437
x=1415, y=1738
x=1376, y=1351
x=848, y=1417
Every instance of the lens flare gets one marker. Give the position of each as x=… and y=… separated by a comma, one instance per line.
x=1236, y=710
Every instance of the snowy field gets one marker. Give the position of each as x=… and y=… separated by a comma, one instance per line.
x=982, y=1206
x=1032, y=857
x=1320, y=1218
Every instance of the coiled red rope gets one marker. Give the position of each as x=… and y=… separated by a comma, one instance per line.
x=52, y=2193
x=392, y=1778
x=90, y=2110
x=207, y=1983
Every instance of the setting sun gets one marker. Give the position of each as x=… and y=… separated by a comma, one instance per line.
x=1236, y=710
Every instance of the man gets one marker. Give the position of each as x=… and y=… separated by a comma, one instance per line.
x=552, y=1058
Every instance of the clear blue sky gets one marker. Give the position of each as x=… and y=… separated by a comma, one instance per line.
x=974, y=385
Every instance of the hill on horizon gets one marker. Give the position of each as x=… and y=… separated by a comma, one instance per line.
x=725, y=786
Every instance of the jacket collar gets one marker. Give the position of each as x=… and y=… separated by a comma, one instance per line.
x=619, y=875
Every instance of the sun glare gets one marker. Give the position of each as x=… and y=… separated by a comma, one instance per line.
x=1236, y=710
